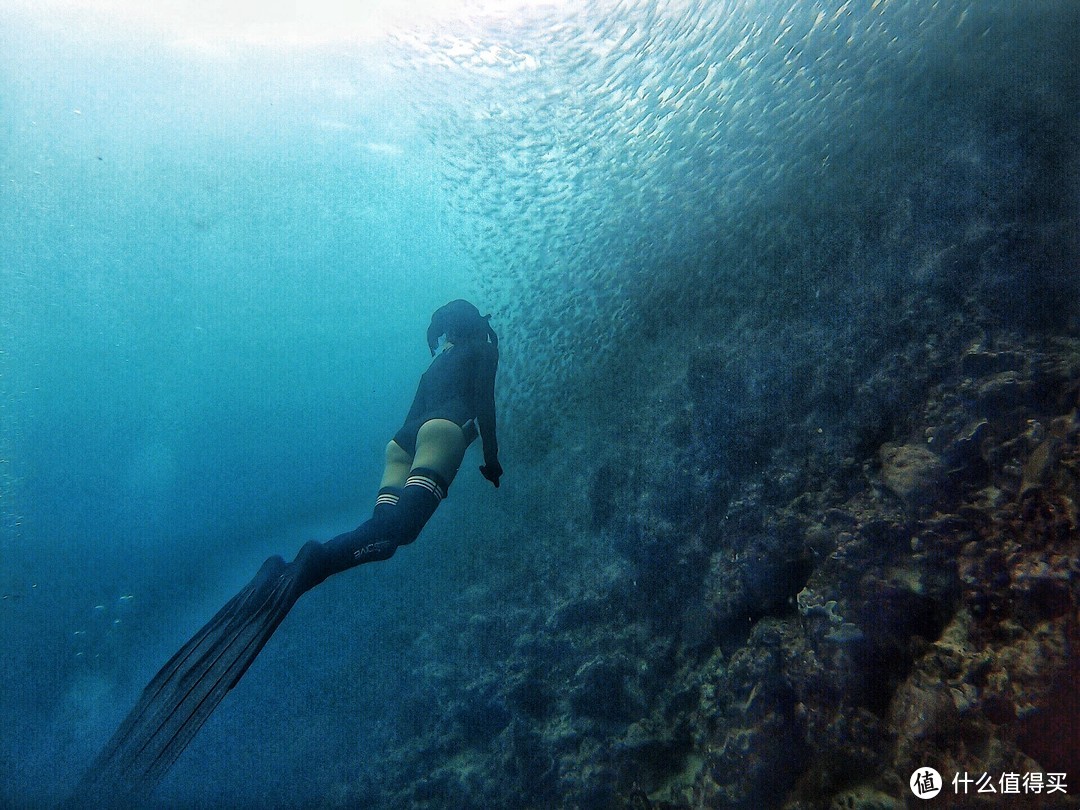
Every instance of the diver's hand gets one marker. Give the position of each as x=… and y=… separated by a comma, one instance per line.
x=492, y=472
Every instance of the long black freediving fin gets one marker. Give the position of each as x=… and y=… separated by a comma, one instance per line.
x=181, y=697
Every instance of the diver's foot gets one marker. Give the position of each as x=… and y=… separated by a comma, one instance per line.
x=311, y=566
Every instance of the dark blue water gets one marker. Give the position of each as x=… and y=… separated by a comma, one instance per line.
x=221, y=247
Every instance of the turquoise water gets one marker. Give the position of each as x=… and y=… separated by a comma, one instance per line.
x=222, y=245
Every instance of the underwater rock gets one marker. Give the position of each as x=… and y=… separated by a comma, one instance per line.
x=980, y=363
x=530, y=696
x=865, y=798
x=911, y=471
x=601, y=691
x=575, y=614
x=811, y=604
x=807, y=653
x=845, y=633
x=1042, y=587
x=999, y=392
x=481, y=718
x=759, y=747
x=965, y=449
x=1039, y=466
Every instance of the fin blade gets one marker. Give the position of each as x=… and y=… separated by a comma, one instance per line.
x=185, y=692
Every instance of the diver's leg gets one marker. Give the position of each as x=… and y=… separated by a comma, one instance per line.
x=371, y=541
x=396, y=469
x=423, y=493
x=368, y=541
x=395, y=473
x=440, y=447
x=399, y=515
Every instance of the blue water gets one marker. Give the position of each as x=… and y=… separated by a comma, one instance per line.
x=220, y=252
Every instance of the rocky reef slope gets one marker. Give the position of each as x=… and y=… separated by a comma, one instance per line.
x=802, y=516
x=784, y=566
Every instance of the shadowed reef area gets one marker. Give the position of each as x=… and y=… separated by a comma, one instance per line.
x=789, y=569
x=805, y=518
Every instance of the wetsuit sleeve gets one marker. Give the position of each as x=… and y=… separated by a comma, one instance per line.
x=484, y=391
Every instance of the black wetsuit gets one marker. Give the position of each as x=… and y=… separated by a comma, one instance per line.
x=459, y=385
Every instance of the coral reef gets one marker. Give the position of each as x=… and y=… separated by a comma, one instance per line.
x=802, y=476
x=774, y=601
x=804, y=520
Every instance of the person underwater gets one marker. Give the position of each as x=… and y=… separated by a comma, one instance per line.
x=454, y=402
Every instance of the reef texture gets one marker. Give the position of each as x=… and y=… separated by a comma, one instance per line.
x=788, y=571
x=805, y=518
x=938, y=624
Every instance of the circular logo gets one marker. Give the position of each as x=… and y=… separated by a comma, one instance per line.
x=925, y=783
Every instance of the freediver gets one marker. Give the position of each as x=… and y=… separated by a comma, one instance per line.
x=454, y=401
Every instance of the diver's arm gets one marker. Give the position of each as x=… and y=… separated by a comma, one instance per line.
x=485, y=412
